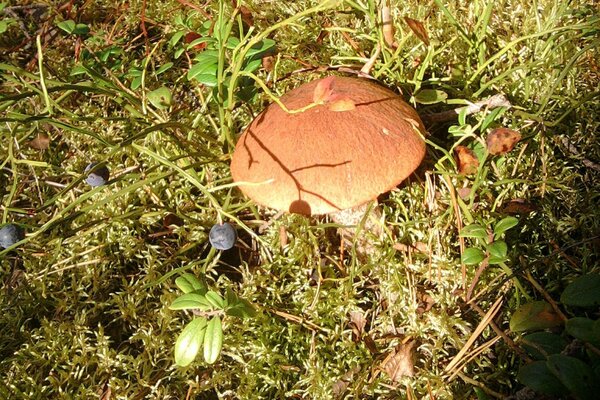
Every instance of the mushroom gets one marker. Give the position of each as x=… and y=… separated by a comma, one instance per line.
x=340, y=144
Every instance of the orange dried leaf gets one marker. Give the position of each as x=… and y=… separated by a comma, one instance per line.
x=323, y=90
x=247, y=16
x=341, y=104
x=502, y=140
x=357, y=323
x=466, y=160
x=418, y=29
x=400, y=362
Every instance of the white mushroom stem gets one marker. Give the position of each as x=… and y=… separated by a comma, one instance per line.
x=352, y=218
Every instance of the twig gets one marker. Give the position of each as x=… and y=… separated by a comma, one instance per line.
x=498, y=100
x=573, y=150
x=487, y=319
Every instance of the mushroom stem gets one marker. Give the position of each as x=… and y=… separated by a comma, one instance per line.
x=365, y=215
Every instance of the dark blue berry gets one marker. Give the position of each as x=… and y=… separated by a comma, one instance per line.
x=98, y=177
x=10, y=234
x=222, y=237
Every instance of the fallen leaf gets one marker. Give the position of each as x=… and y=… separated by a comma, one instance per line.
x=536, y=315
x=357, y=323
x=341, y=104
x=268, y=62
x=467, y=160
x=400, y=362
x=418, y=29
x=464, y=192
x=246, y=15
x=41, y=142
x=172, y=219
x=340, y=386
x=518, y=206
x=502, y=140
x=323, y=90
x=283, y=237
x=191, y=36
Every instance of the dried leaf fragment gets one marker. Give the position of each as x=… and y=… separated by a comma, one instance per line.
x=418, y=29
x=323, y=90
x=341, y=104
x=400, y=362
x=467, y=160
x=41, y=142
x=502, y=140
x=357, y=323
x=518, y=206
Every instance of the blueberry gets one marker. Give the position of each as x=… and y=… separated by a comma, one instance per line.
x=10, y=234
x=98, y=177
x=222, y=237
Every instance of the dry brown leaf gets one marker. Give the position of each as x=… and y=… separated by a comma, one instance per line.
x=464, y=192
x=340, y=386
x=357, y=323
x=172, y=219
x=191, y=36
x=418, y=29
x=247, y=16
x=518, y=206
x=323, y=90
x=400, y=362
x=268, y=62
x=467, y=160
x=41, y=142
x=502, y=140
x=341, y=104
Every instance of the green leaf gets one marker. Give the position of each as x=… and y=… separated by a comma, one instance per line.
x=576, y=375
x=176, y=38
x=253, y=65
x=237, y=307
x=583, y=329
x=191, y=301
x=188, y=283
x=213, y=340
x=67, y=26
x=538, y=377
x=491, y=117
x=207, y=80
x=474, y=231
x=164, y=68
x=497, y=251
x=472, y=256
x=583, y=292
x=189, y=341
x=540, y=345
x=160, y=98
x=72, y=28
x=430, y=96
x=503, y=225
x=206, y=66
x=536, y=315
x=260, y=49
x=81, y=29
x=215, y=300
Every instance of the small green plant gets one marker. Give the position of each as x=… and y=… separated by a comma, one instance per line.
x=205, y=330
x=566, y=363
x=489, y=244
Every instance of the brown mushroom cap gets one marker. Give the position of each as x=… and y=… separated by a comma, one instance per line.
x=320, y=161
